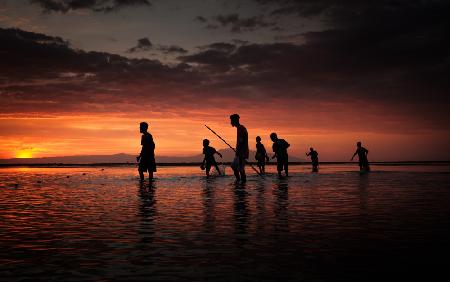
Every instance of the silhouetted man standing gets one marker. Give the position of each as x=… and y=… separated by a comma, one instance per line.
x=362, y=155
x=314, y=159
x=242, y=149
x=147, y=157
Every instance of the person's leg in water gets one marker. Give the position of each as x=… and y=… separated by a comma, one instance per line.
x=279, y=167
x=235, y=167
x=207, y=169
x=141, y=174
x=315, y=167
x=242, y=169
x=286, y=167
x=260, y=166
x=366, y=165
x=217, y=168
x=150, y=175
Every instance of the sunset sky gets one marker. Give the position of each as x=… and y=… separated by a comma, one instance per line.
x=77, y=76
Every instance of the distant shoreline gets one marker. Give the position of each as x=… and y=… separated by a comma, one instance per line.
x=62, y=165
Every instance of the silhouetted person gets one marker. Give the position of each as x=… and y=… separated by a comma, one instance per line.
x=261, y=155
x=279, y=147
x=314, y=159
x=209, y=159
x=242, y=149
x=362, y=155
x=147, y=157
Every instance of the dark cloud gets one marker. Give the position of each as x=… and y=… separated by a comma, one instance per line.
x=221, y=46
x=144, y=44
x=171, y=49
x=200, y=19
x=43, y=73
x=236, y=23
x=94, y=5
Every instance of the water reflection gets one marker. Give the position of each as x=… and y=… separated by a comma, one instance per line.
x=208, y=205
x=241, y=213
x=106, y=226
x=261, y=217
x=363, y=193
x=147, y=212
x=281, y=205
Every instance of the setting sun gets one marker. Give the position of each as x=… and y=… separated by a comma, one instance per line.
x=24, y=154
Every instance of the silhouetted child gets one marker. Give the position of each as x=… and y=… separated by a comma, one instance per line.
x=314, y=159
x=147, y=157
x=209, y=159
x=362, y=156
x=279, y=147
x=261, y=155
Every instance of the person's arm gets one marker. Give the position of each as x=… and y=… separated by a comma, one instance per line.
x=354, y=155
x=238, y=145
x=152, y=143
x=307, y=154
x=219, y=154
x=138, y=158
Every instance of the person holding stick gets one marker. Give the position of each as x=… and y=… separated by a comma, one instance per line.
x=231, y=147
x=242, y=150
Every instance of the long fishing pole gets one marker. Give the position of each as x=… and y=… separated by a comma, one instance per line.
x=232, y=148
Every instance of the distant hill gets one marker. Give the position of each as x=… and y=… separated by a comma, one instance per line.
x=228, y=156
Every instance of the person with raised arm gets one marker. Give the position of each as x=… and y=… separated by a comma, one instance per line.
x=314, y=159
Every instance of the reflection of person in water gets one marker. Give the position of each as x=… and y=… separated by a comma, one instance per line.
x=314, y=159
x=209, y=159
x=208, y=206
x=362, y=156
x=147, y=157
x=281, y=206
x=147, y=210
x=241, y=213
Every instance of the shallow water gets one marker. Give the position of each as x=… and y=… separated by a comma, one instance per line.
x=93, y=224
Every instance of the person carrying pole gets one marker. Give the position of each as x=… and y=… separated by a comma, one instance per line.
x=242, y=150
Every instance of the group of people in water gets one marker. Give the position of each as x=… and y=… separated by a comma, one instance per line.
x=147, y=163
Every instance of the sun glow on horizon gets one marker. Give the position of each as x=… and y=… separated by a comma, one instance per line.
x=24, y=154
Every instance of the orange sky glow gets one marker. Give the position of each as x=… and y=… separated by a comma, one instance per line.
x=25, y=137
